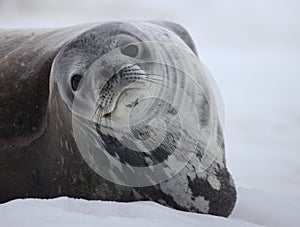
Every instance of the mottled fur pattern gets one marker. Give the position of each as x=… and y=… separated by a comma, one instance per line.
x=38, y=153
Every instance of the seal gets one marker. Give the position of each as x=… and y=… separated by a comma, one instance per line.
x=116, y=111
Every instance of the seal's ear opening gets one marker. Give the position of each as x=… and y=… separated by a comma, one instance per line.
x=75, y=80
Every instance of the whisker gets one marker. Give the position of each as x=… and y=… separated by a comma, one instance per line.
x=143, y=74
x=99, y=124
x=156, y=81
x=98, y=106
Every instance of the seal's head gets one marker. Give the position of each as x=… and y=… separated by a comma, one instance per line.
x=87, y=54
x=133, y=95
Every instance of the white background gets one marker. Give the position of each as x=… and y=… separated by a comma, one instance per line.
x=252, y=48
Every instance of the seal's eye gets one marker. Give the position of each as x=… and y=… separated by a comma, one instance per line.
x=130, y=51
x=75, y=80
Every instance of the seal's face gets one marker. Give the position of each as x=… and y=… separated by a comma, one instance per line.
x=111, y=58
x=81, y=57
x=126, y=87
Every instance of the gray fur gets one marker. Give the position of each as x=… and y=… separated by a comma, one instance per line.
x=38, y=154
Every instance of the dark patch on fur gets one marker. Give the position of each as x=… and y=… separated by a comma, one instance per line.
x=221, y=202
x=138, y=158
x=154, y=193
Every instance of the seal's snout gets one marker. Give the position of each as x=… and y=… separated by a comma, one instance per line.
x=121, y=91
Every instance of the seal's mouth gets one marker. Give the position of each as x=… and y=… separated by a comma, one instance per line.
x=123, y=91
x=119, y=97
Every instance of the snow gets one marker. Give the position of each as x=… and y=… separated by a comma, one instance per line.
x=252, y=49
x=265, y=208
x=78, y=212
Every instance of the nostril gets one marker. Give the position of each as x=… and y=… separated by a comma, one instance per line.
x=130, y=50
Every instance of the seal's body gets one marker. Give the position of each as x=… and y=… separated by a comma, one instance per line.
x=40, y=151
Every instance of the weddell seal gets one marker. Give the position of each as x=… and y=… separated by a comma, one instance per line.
x=121, y=111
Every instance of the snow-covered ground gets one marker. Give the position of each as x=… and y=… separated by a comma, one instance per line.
x=253, y=49
x=70, y=212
